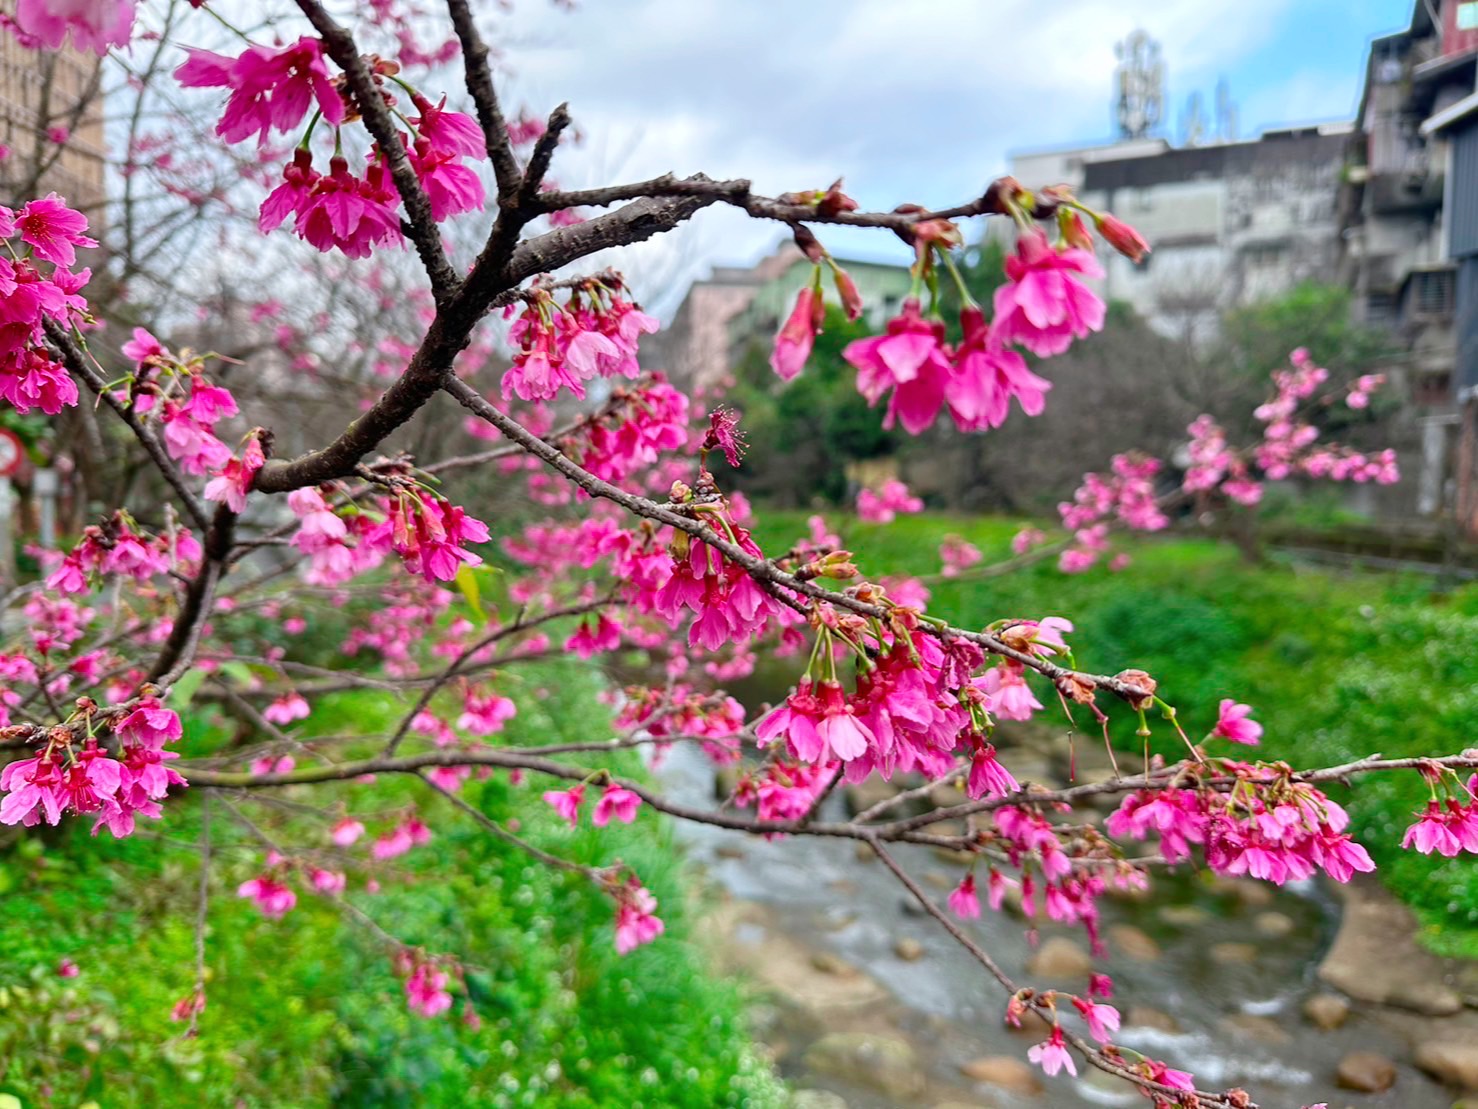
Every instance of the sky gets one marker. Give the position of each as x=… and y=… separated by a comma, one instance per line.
x=919, y=101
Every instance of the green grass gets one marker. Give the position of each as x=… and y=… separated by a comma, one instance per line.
x=1337, y=665
x=307, y=1011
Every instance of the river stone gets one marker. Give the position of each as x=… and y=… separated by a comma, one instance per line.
x=1060, y=958
x=1142, y=1016
x=864, y=852
x=888, y=1066
x=725, y=781
x=817, y=1099
x=940, y=880
x=1249, y=891
x=1375, y=956
x=1326, y=1011
x=867, y=793
x=1234, y=952
x=827, y=963
x=751, y=943
x=1264, y=1030
x=1453, y=1063
x=1365, y=1071
x=1133, y=943
x=1273, y=925
x=1184, y=916
x=908, y=949
x=1005, y=1071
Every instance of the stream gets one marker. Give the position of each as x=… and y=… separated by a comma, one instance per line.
x=1226, y=966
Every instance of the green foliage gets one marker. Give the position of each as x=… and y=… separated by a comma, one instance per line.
x=307, y=1010
x=1336, y=666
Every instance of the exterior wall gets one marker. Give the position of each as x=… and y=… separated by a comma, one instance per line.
x=736, y=304
x=1231, y=224
x=39, y=91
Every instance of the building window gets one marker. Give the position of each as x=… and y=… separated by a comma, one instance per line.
x=1431, y=294
x=1467, y=15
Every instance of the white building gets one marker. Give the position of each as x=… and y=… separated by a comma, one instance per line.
x=1229, y=223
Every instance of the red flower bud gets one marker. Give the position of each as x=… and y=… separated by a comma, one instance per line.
x=847, y=291
x=1123, y=238
x=1074, y=230
x=834, y=201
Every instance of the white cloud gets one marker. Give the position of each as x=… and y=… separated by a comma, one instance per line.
x=912, y=101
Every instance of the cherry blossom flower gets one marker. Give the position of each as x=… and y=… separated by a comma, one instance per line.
x=617, y=802
x=1234, y=723
x=95, y=25
x=566, y=802
x=53, y=230
x=346, y=831
x=794, y=340
x=271, y=87
x=426, y=992
x=909, y=361
x=884, y=505
x=637, y=922
x=963, y=900
x=1044, y=305
x=273, y=899
x=1052, y=1054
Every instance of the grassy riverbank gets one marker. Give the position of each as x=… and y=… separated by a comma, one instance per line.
x=306, y=1010
x=1337, y=665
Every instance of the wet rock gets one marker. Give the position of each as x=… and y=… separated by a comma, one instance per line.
x=1249, y=891
x=1234, y=952
x=844, y=886
x=1263, y=1030
x=817, y=1099
x=1142, y=1016
x=1060, y=959
x=950, y=855
x=729, y=851
x=725, y=781
x=1365, y=1071
x=750, y=944
x=1375, y=956
x=1132, y=943
x=911, y=907
x=908, y=949
x=1326, y=1011
x=864, y=853
x=827, y=963
x=945, y=794
x=1453, y=1063
x=1184, y=916
x=1005, y=1071
x=1273, y=925
x=867, y=793
x=878, y=1063
x=940, y=880
x=965, y=1105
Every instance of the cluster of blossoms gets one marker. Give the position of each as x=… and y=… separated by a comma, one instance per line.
x=884, y=505
x=1447, y=827
x=917, y=704
x=94, y=25
x=957, y=554
x=1043, y=307
x=84, y=778
x=615, y=802
x=1268, y=826
x=428, y=534
x=114, y=547
x=594, y=334
x=37, y=286
x=1288, y=445
x=1126, y=495
x=639, y=425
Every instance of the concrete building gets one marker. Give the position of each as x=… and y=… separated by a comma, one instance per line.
x=1232, y=223
x=1400, y=200
x=736, y=303
x=46, y=95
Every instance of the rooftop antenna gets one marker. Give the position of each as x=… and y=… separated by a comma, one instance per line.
x=1226, y=112
x=1140, y=83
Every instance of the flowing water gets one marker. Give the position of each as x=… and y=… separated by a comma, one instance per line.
x=1235, y=964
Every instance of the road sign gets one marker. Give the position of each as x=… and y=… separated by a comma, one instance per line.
x=12, y=453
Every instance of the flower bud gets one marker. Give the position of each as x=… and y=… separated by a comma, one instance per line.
x=1123, y=238
x=834, y=200
x=847, y=290
x=1074, y=230
x=1143, y=681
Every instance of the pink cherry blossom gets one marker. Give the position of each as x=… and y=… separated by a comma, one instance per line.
x=273, y=899
x=1234, y=723
x=95, y=25
x=963, y=900
x=1052, y=1054
x=616, y=802
x=566, y=802
x=794, y=340
x=1044, y=305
